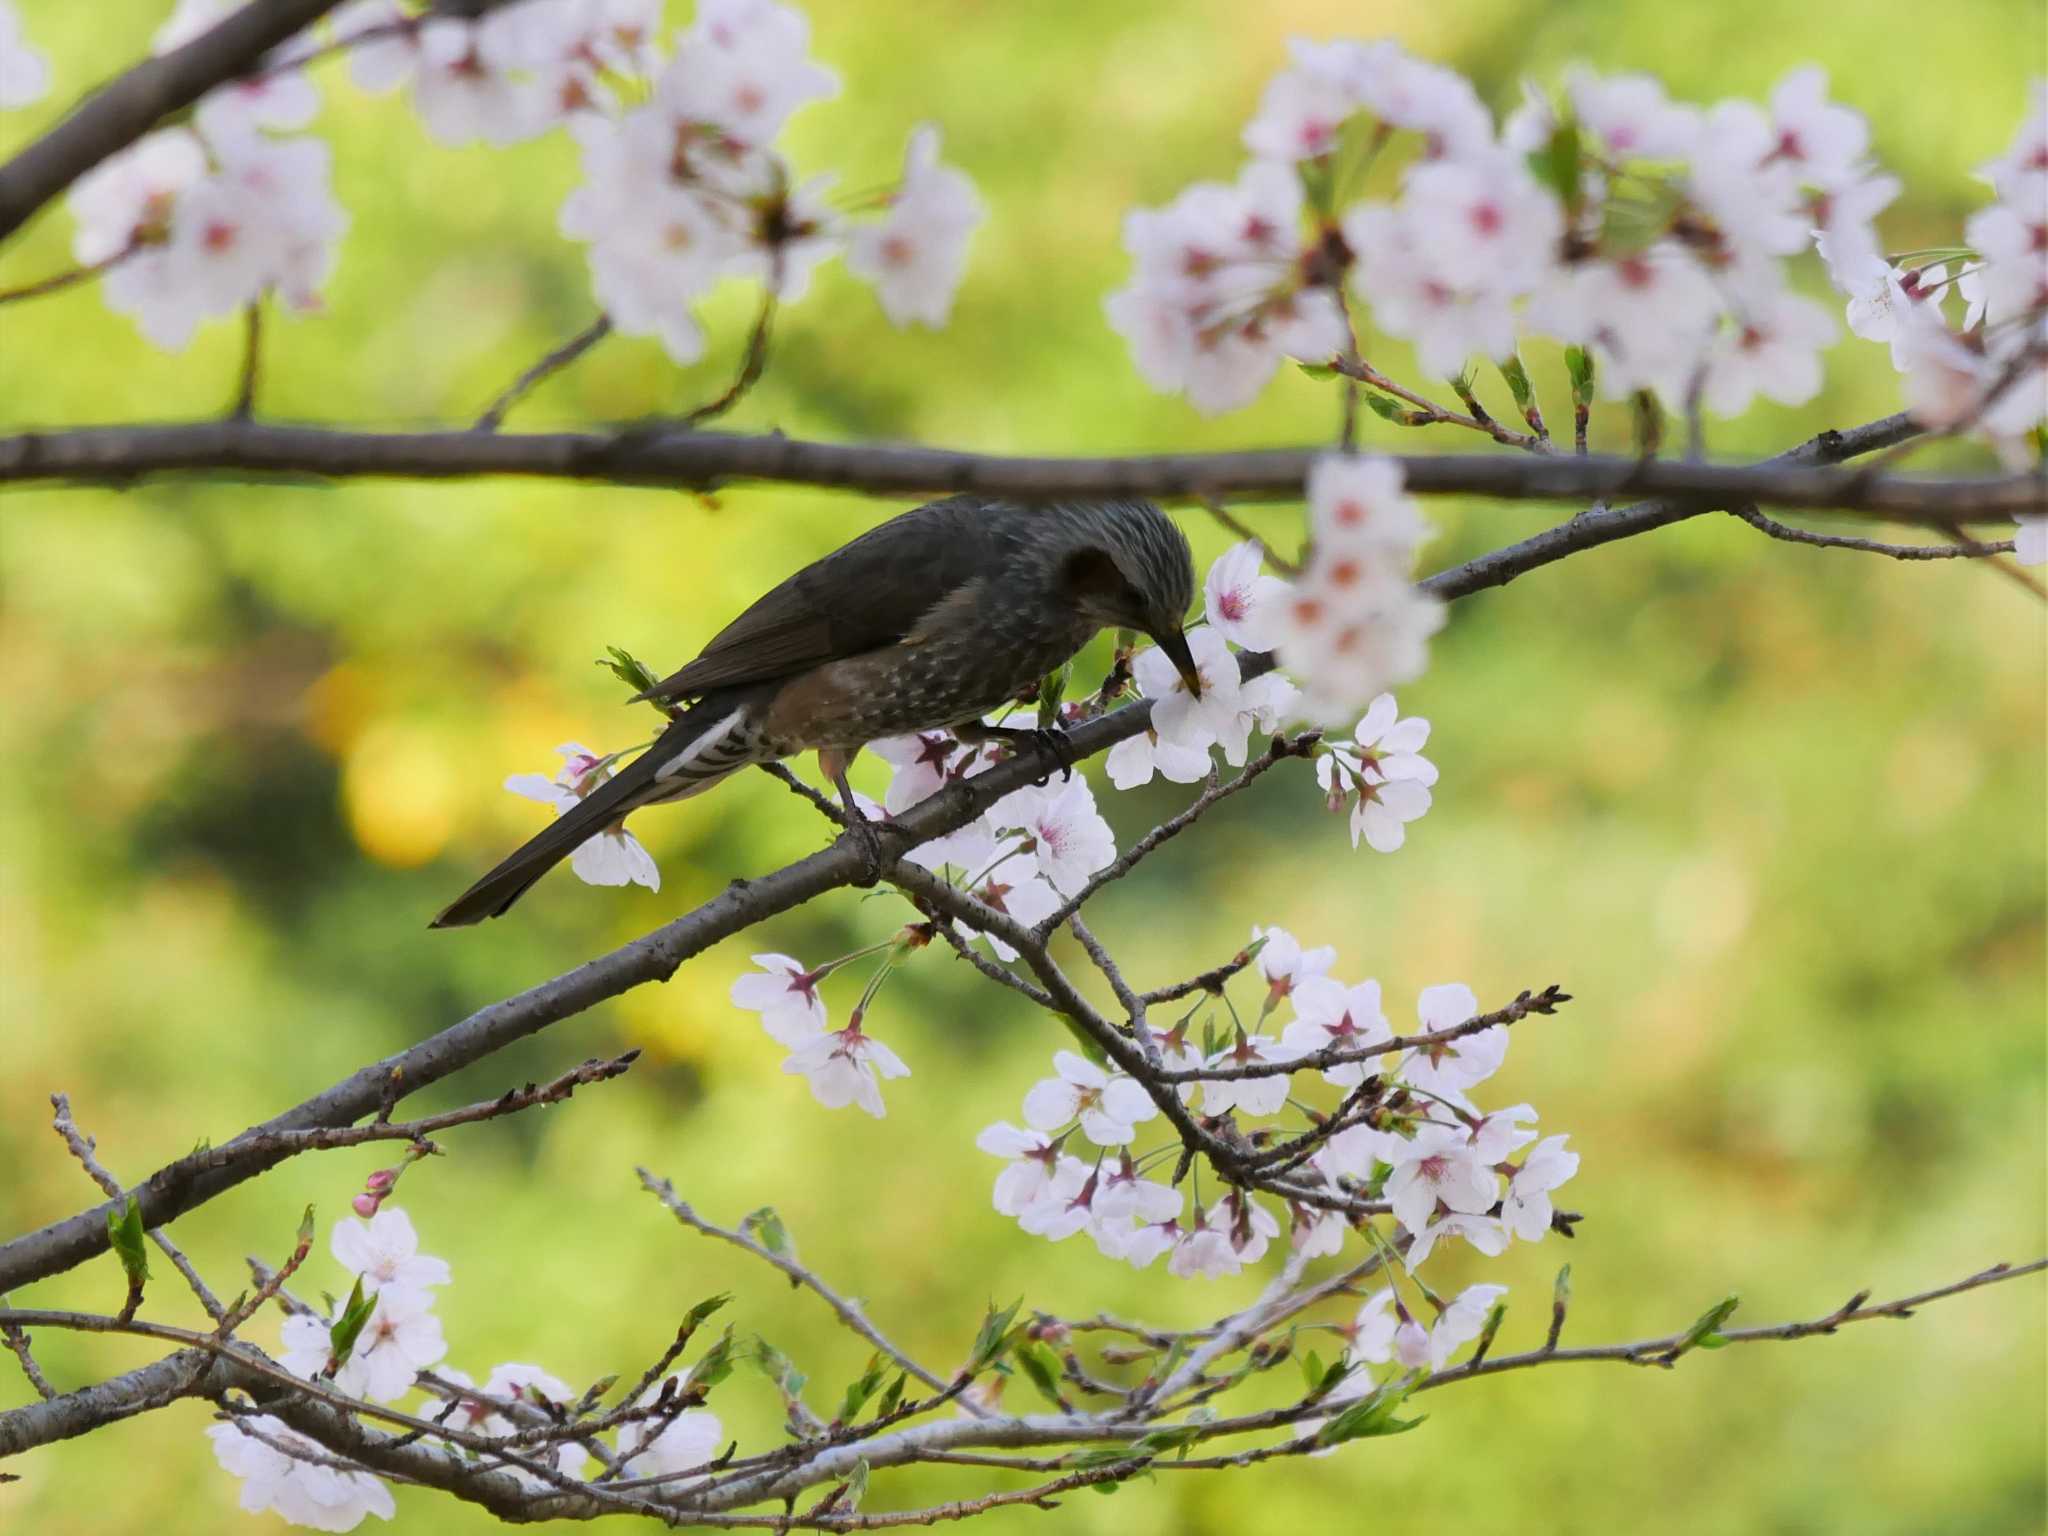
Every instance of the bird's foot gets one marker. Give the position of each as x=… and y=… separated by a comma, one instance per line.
x=1048, y=741
x=867, y=838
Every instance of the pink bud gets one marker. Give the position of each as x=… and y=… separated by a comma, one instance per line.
x=380, y=1182
x=364, y=1205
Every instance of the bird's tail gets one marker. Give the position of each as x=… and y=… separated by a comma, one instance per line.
x=701, y=748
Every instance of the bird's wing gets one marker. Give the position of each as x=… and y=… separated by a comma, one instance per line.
x=865, y=595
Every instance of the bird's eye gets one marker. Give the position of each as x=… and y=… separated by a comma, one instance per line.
x=1090, y=574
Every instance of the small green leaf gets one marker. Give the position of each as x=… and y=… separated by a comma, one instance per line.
x=1707, y=1327
x=1040, y=1365
x=712, y=1367
x=694, y=1318
x=306, y=1228
x=1578, y=364
x=1517, y=379
x=124, y=1231
x=779, y=1369
x=766, y=1228
x=1311, y=1369
x=1317, y=370
x=1371, y=1416
x=1557, y=163
x=993, y=1339
x=1175, y=1438
x=1385, y=406
x=857, y=1484
x=341, y=1338
x=861, y=1388
x=892, y=1398
x=628, y=669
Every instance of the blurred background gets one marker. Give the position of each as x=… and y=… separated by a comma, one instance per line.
x=1774, y=815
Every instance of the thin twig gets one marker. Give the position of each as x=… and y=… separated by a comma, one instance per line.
x=554, y=362
x=69, y=277
x=1428, y=413
x=847, y=1311
x=252, y=357
x=752, y=362
x=1790, y=535
x=18, y=1340
x=83, y=1148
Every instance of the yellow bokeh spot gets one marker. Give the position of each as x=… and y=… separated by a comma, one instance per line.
x=399, y=795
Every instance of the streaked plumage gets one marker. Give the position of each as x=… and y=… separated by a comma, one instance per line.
x=928, y=621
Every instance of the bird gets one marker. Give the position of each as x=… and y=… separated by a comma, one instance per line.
x=928, y=621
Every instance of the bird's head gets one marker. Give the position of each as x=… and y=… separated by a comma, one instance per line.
x=1130, y=569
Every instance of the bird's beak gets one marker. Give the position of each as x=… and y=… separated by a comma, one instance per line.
x=1175, y=644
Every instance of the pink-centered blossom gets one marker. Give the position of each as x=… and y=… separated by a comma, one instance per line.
x=916, y=253
x=1108, y=1106
x=611, y=856
x=785, y=994
x=846, y=1067
x=1456, y=1065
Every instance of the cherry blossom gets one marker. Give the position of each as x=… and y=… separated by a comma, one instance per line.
x=1526, y=1211
x=1200, y=1250
x=1217, y=297
x=271, y=96
x=786, y=997
x=610, y=857
x=1455, y=1066
x=1248, y=1095
x=128, y=199
x=1066, y=834
x=520, y=1382
x=1125, y=1196
x=690, y=1439
x=385, y=1251
x=1329, y=1015
x=1356, y=623
x=1651, y=315
x=1439, y=1166
x=401, y=1338
x=916, y=254
x=24, y=72
x=1446, y=266
x=1066, y=1206
x=1034, y=1158
x=1241, y=602
x=1772, y=350
x=1108, y=1107
x=1305, y=108
x=1246, y=1225
x=1879, y=294
x=1010, y=884
x=2030, y=540
x=1188, y=719
x=1631, y=118
x=1458, y=1325
x=303, y=1491
x=2020, y=175
x=1286, y=965
x=742, y=69
x=1822, y=142
x=1485, y=1233
x=845, y=1067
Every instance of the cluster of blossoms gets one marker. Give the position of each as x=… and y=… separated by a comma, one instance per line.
x=682, y=188
x=1356, y=624
x=1423, y=1152
x=1651, y=232
x=193, y=223
x=283, y=1470
x=24, y=72
x=688, y=189
x=1988, y=372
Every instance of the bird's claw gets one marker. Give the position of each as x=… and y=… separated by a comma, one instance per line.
x=1053, y=741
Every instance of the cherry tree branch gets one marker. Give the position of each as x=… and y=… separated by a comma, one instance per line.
x=661, y=455
x=191, y=1181
x=848, y=1312
x=127, y=107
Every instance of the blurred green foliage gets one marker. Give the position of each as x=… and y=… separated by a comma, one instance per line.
x=1775, y=815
